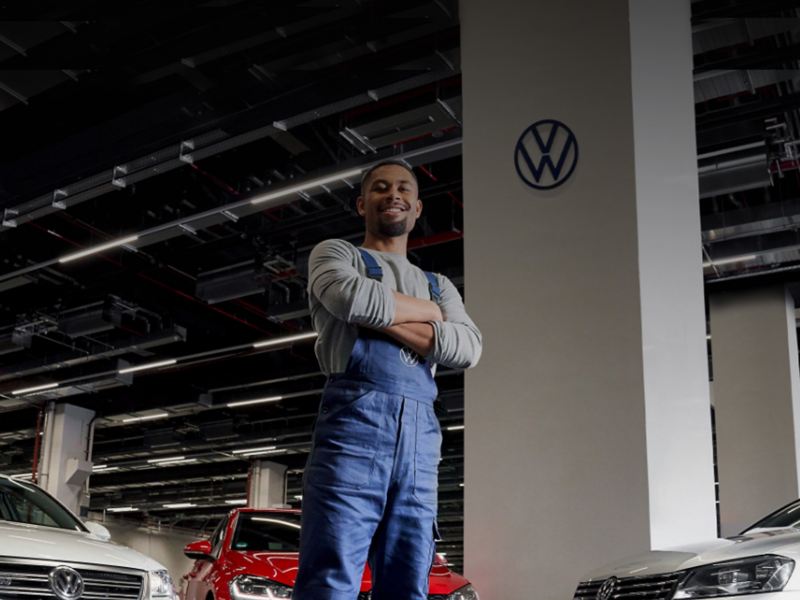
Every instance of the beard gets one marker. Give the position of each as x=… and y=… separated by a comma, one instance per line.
x=392, y=229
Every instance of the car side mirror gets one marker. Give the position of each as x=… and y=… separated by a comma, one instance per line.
x=99, y=531
x=200, y=550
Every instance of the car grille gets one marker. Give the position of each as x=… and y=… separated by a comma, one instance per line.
x=29, y=579
x=654, y=587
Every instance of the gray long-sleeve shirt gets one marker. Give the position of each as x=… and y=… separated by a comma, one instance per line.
x=342, y=297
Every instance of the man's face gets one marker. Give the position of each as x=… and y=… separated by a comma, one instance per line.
x=389, y=202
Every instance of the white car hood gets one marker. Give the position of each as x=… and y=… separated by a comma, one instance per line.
x=785, y=542
x=45, y=543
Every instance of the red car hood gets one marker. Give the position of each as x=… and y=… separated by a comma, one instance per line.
x=282, y=567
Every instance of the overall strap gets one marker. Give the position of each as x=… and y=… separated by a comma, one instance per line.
x=374, y=270
x=433, y=286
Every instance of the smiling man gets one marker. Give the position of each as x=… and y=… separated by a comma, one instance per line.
x=370, y=484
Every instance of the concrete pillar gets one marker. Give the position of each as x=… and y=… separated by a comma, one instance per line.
x=267, y=486
x=66, y=460
x=588, y=432
x=756, y=395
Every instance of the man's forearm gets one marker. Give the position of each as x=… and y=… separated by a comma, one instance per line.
x=420, y=337
x=414, y=310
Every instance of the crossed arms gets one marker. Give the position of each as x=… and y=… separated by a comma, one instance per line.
x=411, y=325
x=444, y=333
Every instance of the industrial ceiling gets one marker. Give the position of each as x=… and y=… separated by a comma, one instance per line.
x=209, y=146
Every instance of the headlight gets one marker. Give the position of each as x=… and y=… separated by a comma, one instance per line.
x=250, y=587
x=161, y=586
x=465, y=593
x=732, y=578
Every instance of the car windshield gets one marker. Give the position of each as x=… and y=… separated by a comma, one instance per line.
x=22, y=502
x=788, y=516
x=276, y=532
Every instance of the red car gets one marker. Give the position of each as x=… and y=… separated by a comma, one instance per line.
x=252, y=555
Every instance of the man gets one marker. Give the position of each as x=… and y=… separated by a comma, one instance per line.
x=371, y=479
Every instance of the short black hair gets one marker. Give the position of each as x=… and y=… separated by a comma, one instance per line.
x=384, y=163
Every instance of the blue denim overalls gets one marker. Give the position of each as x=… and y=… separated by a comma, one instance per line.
x=371, y=479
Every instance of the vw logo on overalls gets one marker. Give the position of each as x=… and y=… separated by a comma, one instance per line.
x=66, y=583
x=409, y=357
x=546, y=154
x=605, y=591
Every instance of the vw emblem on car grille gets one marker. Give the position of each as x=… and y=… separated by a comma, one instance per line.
x=5, y=581
x=409, y=357
x=66, y=583
x=605, y=591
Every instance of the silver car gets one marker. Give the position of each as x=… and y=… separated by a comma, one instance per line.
x=760, y=561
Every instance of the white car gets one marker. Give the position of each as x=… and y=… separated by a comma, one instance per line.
x=47, y=552
x=760, y=562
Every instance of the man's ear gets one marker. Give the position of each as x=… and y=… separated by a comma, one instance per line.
x=360, y=205
x=419, y=207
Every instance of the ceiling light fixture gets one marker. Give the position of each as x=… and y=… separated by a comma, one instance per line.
x=302, y=187
x=146, y=418
x=179, y=505
x=246, y=450
x=155, y=461
x=260, y=452
x=286, y=339
x=455, y=428
x=119, y=509
x=153, y=365
x=96, y=249
x=730, y=260
x=254, y=401
x=104, y=469
x=242, y=502
x=37, y=388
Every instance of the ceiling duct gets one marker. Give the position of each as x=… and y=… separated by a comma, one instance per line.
x=231, y=282
x=717, y=84
x=425, y=120
x=714, y=34
x=733, y=169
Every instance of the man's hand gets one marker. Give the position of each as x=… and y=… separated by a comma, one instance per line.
x=409, y=309
x=420, y=337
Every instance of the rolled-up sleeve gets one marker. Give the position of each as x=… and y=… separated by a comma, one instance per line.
x=458, y=342
x=343, y=291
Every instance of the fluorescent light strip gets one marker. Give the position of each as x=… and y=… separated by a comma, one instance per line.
x=254, y=401
x=145, y=418
x=242, y=502
x=105, y=470
x=122, y=509
x=154, y=461
x=260, y=452
x=100, y=248
x=153, y=365
x=302, y=187
x=455, y=428
x=286, y=339
x=246, y=450
x=179, y=505
x=37, y=388
x=731, y=260
x=177, y=462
